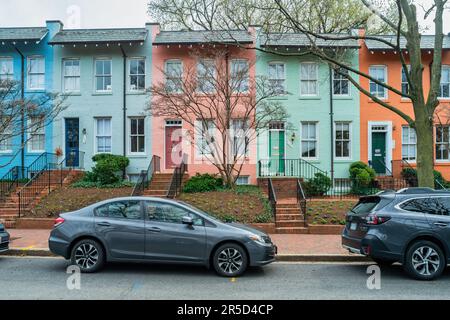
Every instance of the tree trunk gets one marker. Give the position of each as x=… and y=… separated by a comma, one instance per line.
x=425, y=152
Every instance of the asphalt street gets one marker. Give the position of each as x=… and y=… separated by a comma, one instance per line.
x=46, y=278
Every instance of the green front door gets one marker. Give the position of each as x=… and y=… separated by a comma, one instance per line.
x=379, y=152
x=276, y=152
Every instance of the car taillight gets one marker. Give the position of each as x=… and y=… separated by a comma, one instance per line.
x=373, y=219
x=58, y=221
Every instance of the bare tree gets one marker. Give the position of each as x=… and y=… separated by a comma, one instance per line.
x=24, y=117
x=222, y=105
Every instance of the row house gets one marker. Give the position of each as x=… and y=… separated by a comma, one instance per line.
x=387, y=142
x=27, y=60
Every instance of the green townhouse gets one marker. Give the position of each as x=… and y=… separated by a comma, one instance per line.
x=321, y=133
x=104, y=73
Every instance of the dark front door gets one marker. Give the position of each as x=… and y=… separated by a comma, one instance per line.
x=379, y=152
x=276, y=152
x=174, y=151
x=72, y=142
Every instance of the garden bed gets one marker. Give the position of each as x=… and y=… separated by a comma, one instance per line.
x=328, y=212
x=246, y=204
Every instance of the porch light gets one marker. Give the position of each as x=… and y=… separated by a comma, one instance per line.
x=293, y=136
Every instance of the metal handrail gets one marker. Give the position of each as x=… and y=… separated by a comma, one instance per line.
x=272, y=197
x=301, y=200
x=299, y=168
x=177, y=180
x=10, y=180
x=146, y=176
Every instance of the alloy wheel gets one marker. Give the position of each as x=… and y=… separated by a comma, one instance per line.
x=425, y=260
x=230, y=260
x=86, y=256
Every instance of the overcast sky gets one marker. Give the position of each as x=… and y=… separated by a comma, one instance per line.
x=96, y=13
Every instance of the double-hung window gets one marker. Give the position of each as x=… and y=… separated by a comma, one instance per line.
x=309, y=76
x=405, y=83
x=239, y=75
x=206, y=75
x=173, y=70
x=309, y=140
x=103, y=75
x=137, y=135
x=409, y=142
x=37, y=134
x=71, y=75
x=103, y=135
x=205, y=131
x=36, y=73
x=442, y=143
x=378, y=73
x=5, y=134
x=342, y=140
x=340, y=82
x=277, y=77
x=136, y=70
x=444, y=91
x=6, y=70
x=240, y=137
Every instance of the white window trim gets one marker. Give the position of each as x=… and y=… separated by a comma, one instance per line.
x=247, y=151
x=95, y=135
x=284, y=78
x=317, y=157
x=28, y=72
x=402, y=82
x=348, y=94
x=131, y=153
x=95, y=74
x=12, y=65
x=435, y=144
x=198, y=135
x=386, y=93
x=317, y=94
x=129, y=74
x=30, y=133
x=239, y=60
x=182, y=72
x=444, y=66
x=64, y=76
x=199, y=61
x=408, y=143
x=350, y=142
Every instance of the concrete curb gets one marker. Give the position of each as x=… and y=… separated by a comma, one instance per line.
x=38, y=252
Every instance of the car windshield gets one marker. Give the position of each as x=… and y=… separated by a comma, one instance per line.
x=365, y=205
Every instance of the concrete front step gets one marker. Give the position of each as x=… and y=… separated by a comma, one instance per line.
x=292, y=230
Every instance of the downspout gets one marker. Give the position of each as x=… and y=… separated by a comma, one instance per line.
x=22, y=111
x=331, y=124
x=124, y=56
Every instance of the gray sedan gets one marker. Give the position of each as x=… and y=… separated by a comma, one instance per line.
x=157, y=230
x=4, y=239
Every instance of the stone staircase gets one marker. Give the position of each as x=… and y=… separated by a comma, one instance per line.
x=289, y=218
x=160, y=183
x=31, y=195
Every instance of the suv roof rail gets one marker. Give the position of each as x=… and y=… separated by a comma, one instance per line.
x=413, y=190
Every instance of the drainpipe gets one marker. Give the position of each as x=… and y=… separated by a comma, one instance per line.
x=124, y=55
x=331, y=124
x=22, y=111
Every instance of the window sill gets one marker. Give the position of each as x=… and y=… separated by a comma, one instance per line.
x=35, y=151
x=278, y=98
x=384, y=100
x=343, y=159
x=6, y=152
x=35, y=91
x=442, y=162
x=405, y=100
x=70, y=94
x=136, y=93
x=342, y=97
x=136, y=156
x=444, y=99
x=107, y=93
x=309, y=98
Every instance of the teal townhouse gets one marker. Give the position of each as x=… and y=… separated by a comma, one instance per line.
x=27, y=60
x=104, y=73
x=321, y=133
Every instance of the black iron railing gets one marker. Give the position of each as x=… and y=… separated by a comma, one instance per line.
x=301, y=200
x=177, y=180
x=146, y=176
x=388, y=171
x=272, y=197
x=298, y=168
x=11, y=180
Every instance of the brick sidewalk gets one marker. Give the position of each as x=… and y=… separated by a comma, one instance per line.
x=303, y=244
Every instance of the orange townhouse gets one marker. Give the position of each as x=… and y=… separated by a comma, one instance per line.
x=388, y=144
x=175, y=55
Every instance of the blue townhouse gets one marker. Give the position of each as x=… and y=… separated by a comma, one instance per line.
x=27, y=59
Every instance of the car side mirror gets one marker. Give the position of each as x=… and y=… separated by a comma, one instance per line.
x=187, y=220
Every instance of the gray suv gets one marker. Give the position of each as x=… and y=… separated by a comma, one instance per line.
x=410, y=226
x=157, y=230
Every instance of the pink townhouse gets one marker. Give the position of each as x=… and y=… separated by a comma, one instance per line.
x=174, y=55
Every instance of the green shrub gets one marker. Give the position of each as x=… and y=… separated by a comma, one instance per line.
x=107, y=170
x=89, y=184
x=362, y=178
x=203, y=183
x=318, y=186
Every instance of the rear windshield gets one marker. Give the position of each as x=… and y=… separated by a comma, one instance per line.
x=366, y=205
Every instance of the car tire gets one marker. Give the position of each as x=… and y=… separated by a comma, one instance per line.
x=424, y=260
x=383, y=262
x=88, y=255
x=230, y=260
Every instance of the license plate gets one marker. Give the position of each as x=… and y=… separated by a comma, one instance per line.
x=353, y=226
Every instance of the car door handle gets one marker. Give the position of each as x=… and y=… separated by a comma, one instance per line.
x=440, y=224
x=104, y=224
x=154, y=229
